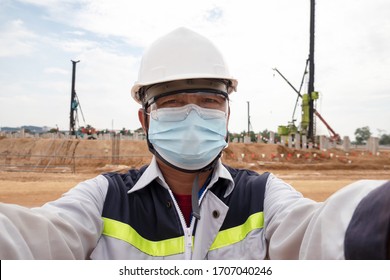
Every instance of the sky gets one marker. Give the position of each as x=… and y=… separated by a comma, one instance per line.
x=39, y=38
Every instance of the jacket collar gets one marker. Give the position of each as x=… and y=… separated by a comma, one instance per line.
x=153, y=172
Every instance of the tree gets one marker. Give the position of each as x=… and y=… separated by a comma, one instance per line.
x=240, y=136
x=384, y=139
x=362, y=134
x=124, y=131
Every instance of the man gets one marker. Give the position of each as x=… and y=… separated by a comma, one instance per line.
x=185, y=204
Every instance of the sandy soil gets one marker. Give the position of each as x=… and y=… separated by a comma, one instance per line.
x=60, y=165
x=34, y=189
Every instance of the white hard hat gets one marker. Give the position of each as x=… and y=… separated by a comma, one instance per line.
x=179, y=55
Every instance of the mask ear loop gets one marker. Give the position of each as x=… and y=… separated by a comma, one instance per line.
x=195, y=198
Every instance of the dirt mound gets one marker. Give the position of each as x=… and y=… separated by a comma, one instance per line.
x=37, y=165
x=77, y=155
x=73, y=155
x=268, y=156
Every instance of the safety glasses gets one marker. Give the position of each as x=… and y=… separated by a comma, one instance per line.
x=174, y=114
x=177, y=106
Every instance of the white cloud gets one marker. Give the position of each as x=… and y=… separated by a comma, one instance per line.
x=75, y=45
x=16, y=39
x=352, y=55
x=54, y=70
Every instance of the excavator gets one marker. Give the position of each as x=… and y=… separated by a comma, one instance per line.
x=89, y=132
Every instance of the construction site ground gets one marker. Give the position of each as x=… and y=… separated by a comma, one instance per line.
x=34, y=171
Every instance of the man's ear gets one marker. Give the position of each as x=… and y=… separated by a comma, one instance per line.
x=143, y=119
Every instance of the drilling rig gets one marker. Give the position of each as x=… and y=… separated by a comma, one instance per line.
x=75, y=107
x=307, y=125
x=74, y=102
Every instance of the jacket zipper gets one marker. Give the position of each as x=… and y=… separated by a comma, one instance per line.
x=187, y=230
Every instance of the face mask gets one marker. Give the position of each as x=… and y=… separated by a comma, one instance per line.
x=190, y=142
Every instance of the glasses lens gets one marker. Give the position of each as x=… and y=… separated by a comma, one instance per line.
x=202, y=99
x=174, y=114
x=177, y=106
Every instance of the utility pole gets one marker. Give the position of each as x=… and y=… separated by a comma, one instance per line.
x=73, y=101
x=311, y=73
x=249, y=120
